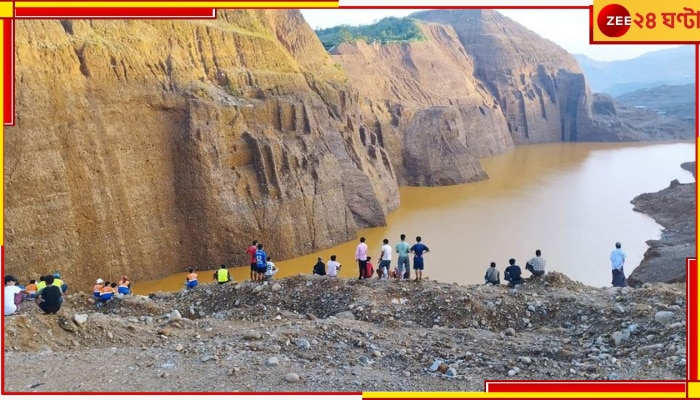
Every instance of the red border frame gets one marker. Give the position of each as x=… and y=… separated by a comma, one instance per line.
x=491, y=386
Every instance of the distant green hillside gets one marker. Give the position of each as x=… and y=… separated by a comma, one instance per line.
x=387, y=30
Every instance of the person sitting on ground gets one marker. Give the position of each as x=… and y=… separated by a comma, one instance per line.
x=51, y=298
x=57, y=281
x=319, y=268
x=106, y=293
x=222, y=275
x=41, y=284
x=115, y=290
x=369, y=269
x=124, y=285
x=12, y=294
x=97, y=289
x=191, y=279
x=271, y=269
x=513, y=274
x=333, y=267
x=30, y=290
x=536, y=265
x=493, y=275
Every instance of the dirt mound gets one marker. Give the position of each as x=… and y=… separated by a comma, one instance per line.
x=337, y=334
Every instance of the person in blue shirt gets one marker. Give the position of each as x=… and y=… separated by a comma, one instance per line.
x=418, y=250
x=261, y=263
x=617, y=261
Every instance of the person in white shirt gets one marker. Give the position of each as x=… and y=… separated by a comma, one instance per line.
x=271, y=269
x=361, y=257
x=333, y=267
x=385, y=259
x=11, y=292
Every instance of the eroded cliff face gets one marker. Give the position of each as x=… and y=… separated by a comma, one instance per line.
x=423, y=103
x=142, y=147
x=539, y=86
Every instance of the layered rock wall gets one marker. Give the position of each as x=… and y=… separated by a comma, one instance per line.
x=142, y=147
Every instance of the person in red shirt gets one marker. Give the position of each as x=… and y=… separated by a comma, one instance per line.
x=253, y=260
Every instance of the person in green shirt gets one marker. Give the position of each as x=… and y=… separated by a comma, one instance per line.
x=404, y=264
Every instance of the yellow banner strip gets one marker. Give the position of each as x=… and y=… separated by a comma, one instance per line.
x=184, y=4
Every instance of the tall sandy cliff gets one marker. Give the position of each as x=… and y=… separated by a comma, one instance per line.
x=143, y=147
x=539, y=86
x=422, y=100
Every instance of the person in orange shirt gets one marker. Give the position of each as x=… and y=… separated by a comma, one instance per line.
x=124, y=285
x=30, y=290
x=97, y=289
x=191, y=280
x=106, y=293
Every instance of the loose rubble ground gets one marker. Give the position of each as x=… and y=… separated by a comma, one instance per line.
x=309, y=333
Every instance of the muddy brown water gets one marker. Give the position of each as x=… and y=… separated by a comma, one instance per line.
x=571, y=200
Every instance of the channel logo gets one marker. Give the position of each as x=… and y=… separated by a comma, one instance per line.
x=614, y=20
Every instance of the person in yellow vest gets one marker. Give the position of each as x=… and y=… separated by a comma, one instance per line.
x=58, y=282
x=222, y=275
x=191, y=280
x=41, y=285
x=124, y=285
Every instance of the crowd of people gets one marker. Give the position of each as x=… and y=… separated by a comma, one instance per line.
x=105, y=291
x=536, y=265
x=384, y=268
x=262, y=268
x=47, y=293
x=49, y=290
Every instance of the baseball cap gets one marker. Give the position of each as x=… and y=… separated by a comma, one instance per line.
x=99, y=280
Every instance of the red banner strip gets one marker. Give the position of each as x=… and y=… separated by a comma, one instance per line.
x=692, y=316
x=115, y=12
x=585, y=387
x=8, y=77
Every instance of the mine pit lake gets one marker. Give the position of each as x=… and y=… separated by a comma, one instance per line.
x=570, y=200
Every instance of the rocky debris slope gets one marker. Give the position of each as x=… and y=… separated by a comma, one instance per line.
x=671, y=100
x=309, y=333
x=674, y=208
x=142, y=147
x=616, y=121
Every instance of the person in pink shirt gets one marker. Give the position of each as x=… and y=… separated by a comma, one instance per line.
x=253, y=260
x=361, y=257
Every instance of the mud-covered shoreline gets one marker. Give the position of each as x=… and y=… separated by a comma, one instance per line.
x=674, y=208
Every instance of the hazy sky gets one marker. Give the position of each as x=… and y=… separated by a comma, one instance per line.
x=567, y=28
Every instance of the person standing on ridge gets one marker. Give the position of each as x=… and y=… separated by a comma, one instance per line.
x=617, y=259
x=253, y=261
x=536, y=265
x=385, y=259
x=418, y=250
x=403, y=266
x=361, y=257
x=260, y=263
